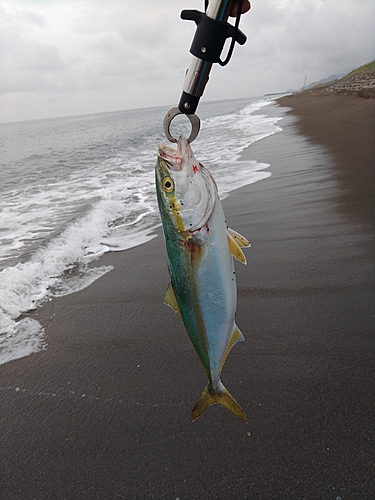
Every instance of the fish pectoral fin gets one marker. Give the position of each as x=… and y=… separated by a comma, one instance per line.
x=237, y=336
x=235, y=250
x=170, y=299
x=238, y=238
x=221, y=396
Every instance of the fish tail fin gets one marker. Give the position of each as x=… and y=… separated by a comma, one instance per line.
x=221, y=396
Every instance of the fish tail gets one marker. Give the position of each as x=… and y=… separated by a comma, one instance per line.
x=222, y=396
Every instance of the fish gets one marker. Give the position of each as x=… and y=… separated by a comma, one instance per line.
x=200, y=250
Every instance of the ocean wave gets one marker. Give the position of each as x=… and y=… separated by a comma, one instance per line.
x=54, y=230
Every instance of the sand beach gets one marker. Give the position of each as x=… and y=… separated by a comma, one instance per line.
x=104, y=412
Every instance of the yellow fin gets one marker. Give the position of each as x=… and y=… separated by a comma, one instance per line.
x=238, y=238
x=237, y=336
x=235, y=250
x=170, y=299
x=223, y=397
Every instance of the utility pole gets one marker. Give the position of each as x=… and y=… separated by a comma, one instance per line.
x=304, y=83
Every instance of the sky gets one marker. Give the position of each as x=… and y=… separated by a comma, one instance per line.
x=72, y=57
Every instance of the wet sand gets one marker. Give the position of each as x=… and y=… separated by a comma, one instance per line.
x=104, y=412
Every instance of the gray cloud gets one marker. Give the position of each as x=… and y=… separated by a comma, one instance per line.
x=69, y=57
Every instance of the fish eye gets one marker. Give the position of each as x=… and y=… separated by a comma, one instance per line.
x=168, y=185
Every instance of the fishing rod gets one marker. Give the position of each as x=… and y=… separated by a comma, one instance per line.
x=211, y=34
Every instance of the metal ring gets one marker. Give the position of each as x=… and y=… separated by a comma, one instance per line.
x=172, y=113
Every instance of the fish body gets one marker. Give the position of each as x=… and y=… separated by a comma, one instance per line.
x=200, y=251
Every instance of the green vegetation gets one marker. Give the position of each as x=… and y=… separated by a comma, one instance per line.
x=365, y=67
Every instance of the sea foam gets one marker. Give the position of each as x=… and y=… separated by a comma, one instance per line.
x=71, y=197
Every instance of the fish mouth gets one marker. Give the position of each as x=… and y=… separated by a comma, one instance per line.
x=174, y=158
x=181, y=159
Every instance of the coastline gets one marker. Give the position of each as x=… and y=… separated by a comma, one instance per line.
x=104, y=412
x=345, y=125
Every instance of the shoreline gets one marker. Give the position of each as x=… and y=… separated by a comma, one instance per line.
x=104, y=412
x=325, y=118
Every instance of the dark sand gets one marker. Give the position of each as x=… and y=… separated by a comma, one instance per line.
x=104, y=412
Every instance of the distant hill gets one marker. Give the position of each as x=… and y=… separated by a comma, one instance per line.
x=360, y=81
x=324, y=80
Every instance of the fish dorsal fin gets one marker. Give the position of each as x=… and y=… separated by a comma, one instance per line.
x=238, y=238
x=235, y=249
x=170, y=299
x=237, y=336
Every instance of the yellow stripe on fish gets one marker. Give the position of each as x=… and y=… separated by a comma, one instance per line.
x=200, y=250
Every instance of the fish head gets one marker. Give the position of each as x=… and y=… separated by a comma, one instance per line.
x=186, y=191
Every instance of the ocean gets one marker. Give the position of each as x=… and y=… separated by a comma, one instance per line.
x=74, y=188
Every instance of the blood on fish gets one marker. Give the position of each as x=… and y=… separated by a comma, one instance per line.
x=191, y=247
x=201, y=267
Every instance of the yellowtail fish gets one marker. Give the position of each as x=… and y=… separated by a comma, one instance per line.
x=200, y=250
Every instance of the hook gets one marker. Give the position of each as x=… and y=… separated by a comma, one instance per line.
x=172, y=113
